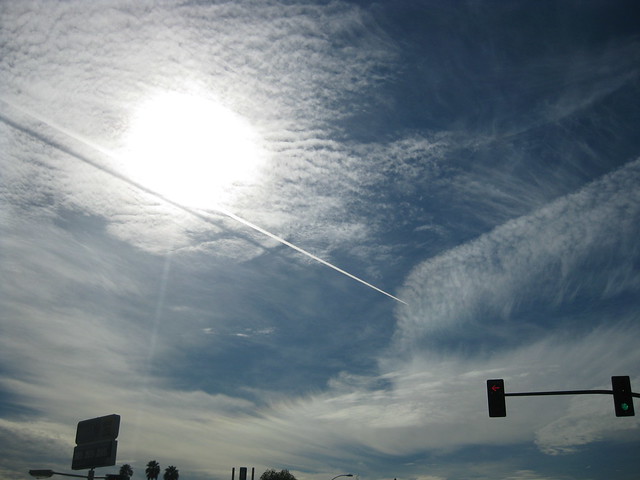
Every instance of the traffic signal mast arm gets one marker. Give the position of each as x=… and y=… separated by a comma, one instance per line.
x=566, y=392
x=621, y=391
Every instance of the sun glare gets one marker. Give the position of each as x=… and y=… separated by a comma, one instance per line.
x=191, y=150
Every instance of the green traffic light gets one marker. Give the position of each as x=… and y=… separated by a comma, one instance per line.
x=622, y=396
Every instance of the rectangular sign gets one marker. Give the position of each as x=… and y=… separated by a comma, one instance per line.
x=98, y=429
x=92, y=455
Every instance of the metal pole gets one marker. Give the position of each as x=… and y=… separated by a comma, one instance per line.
x=49, y=473
x=565, y=392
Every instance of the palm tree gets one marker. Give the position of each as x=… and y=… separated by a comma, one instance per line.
x=171, y=473
x=126, y=470
x=153, y=470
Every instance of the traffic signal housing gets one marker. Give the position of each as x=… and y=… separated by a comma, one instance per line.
x=622, y=396
x=496, y=398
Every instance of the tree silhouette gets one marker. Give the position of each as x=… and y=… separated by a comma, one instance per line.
x=271, y=474
x=153, y=470
x=171, y=473
x=126, y=469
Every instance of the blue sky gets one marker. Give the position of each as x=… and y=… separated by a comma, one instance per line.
x=174, y=175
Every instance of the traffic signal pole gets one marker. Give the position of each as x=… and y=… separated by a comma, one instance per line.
x=564, y=392
x=622, y=396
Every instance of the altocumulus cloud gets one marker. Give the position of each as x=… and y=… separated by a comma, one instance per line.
x=530, y=266
x=496, y=183
x=284, y=58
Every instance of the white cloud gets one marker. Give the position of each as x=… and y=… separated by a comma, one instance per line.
x=20, y=439
x=293, y=73
x=290, y=73
x=548, y=257
x=425, y=402
x=528, y=475
x=438, y=403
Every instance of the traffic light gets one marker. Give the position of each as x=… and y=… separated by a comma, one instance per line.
x=622, y=398
x=495, y=396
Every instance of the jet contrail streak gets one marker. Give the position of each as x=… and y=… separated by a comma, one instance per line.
x=63, y=148
x=303, y=251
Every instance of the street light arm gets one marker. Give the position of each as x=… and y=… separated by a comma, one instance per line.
x=50, y=473
x=343, y=475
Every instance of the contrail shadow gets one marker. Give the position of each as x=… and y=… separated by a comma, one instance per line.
x=115, y=174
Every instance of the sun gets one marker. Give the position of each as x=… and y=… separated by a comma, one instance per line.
x=191, y=150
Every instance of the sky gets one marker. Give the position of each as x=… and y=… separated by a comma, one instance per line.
x=303, y=234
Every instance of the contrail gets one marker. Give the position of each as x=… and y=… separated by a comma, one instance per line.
x=114, y=173
x=303, y=251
